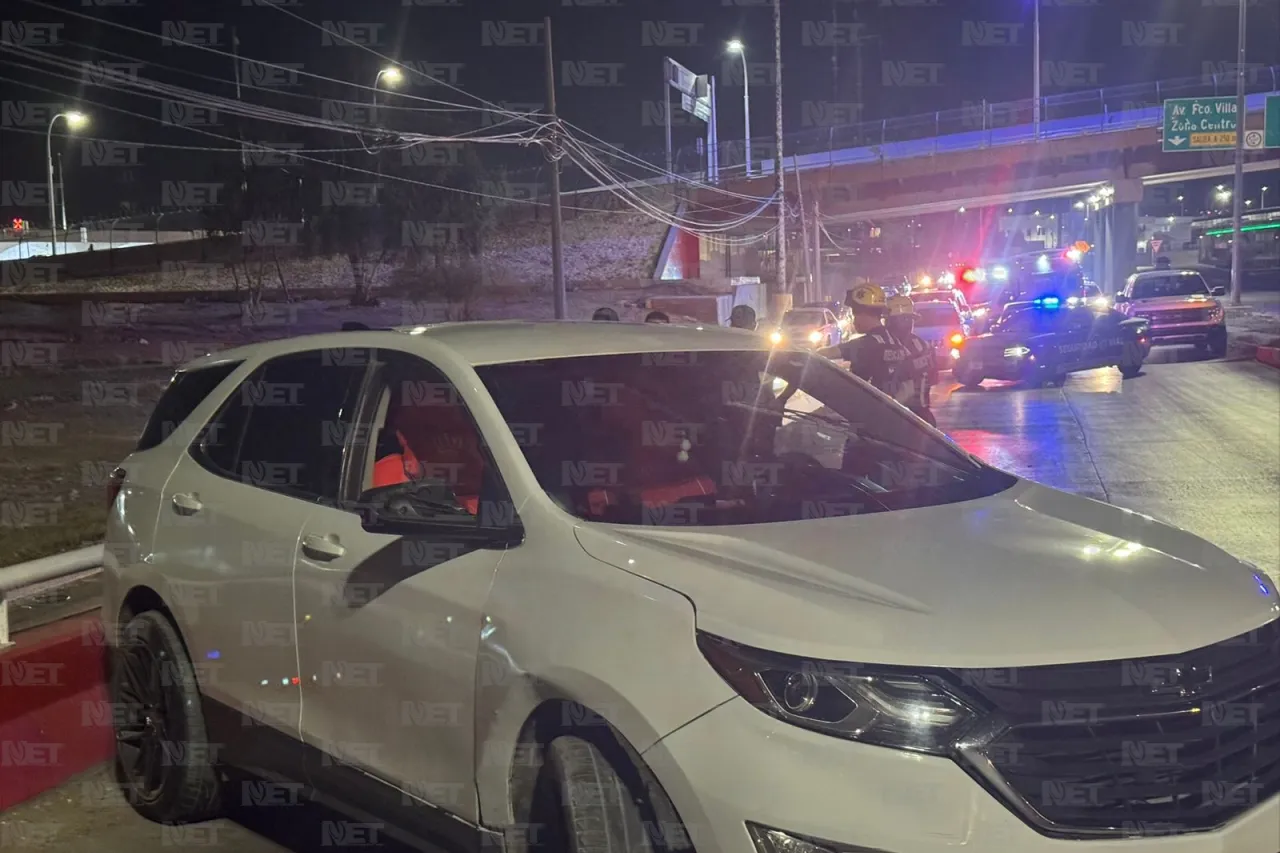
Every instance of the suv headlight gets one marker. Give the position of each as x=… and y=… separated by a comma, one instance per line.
x=1016, y=352
x=875, y=705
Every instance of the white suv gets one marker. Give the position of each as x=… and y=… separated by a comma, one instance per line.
x=600, y=587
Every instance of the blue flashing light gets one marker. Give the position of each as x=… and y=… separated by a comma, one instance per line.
x=1048, y=302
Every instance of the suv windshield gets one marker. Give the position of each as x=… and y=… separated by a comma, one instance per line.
x=804, y=318
x=937, y=314
x=1189, y=284
x=712, y=438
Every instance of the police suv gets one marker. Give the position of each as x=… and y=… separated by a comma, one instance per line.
x=1045, y=339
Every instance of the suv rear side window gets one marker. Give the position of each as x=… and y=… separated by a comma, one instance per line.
x=187, y=390
x=285, y=428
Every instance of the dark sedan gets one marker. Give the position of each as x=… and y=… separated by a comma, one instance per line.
x=1042, y=341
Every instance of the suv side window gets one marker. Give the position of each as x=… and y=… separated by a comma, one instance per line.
x=185, y=392
x=1080, y=319
x=422, y=430
x=284, y=428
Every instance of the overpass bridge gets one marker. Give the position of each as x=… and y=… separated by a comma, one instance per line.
x=1072, y=155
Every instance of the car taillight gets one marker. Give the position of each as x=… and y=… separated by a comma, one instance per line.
x=114, y=482
x=957, y=338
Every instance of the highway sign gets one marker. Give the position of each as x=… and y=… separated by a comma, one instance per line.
x=1199, y=124
x=1271, y=136
x=1253, y=140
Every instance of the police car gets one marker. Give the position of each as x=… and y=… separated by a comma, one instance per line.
x=1043, y=340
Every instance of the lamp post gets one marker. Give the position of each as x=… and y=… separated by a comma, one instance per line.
x=737, y=47
x=74, y=120
x=393, y=76
x=1262, y=203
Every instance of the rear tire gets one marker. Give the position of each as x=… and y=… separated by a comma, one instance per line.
x=1131, y=365
x=163, y=759
x=601, y=812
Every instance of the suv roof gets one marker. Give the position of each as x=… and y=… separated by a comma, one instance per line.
x=480, y=342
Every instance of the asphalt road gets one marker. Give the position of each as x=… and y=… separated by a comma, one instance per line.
x=1192, y=442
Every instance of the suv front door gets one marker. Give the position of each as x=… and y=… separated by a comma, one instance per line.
x=230, y=515
x=390, y=622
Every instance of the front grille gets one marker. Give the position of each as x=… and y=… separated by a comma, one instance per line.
x=1167, y=745
x=1181, y=315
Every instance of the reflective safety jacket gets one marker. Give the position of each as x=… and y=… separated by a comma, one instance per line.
x=919, y=372
x=877, y=358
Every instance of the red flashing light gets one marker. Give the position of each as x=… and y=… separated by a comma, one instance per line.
x=969, y=276
x=957, y=338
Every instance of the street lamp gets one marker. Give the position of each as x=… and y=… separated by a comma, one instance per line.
x=1224, y=194
x=74, y=121
x=1262, y=204
x=736, y=46
x=393, y=78
x=1182, y=208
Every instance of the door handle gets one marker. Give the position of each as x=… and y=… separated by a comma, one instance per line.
x=186, y=504
x=322, y=547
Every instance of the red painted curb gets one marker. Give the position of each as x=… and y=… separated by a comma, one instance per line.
x=1269, y=355
x=55, y=721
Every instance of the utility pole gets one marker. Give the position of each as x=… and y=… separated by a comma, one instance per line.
x=666, y=115
x=817, y=253
x=1237, y=272
x=235, y=53
x=1035, y=72
x=780, y=183
x=557, y=224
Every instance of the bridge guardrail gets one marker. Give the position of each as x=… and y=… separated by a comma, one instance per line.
x=1115, y=108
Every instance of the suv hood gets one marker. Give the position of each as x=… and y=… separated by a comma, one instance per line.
x=1169, y=303
x=1028, y=576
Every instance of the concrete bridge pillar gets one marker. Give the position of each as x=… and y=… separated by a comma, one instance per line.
x=1123, y=243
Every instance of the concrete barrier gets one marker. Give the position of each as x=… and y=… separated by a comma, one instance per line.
x=1268, y=355
x=55, y=716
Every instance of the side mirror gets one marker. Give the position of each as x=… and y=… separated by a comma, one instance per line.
x=419, y=506
x=1218, y=291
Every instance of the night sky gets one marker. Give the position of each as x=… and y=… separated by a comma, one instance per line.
x=842, y=59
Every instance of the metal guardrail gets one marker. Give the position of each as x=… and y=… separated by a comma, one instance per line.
x=14, y=580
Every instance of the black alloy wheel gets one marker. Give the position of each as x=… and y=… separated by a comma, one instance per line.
x=143, y=738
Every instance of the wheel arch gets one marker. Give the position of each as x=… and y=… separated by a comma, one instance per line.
x=559, y=715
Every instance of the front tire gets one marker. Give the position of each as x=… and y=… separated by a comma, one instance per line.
x=601, y=812
x=1217, y=344
x=966, y=377
x=163, y=759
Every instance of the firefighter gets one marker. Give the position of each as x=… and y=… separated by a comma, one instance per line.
x=920, y=371
x=873, y=354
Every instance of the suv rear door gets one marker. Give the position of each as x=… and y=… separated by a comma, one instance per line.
x=229, y=521
x=140, y=484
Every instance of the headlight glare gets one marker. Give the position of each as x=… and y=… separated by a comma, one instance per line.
x=1016, y=352
x=867, y=704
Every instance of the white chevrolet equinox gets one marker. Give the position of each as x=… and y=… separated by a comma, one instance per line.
x=595, y=587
